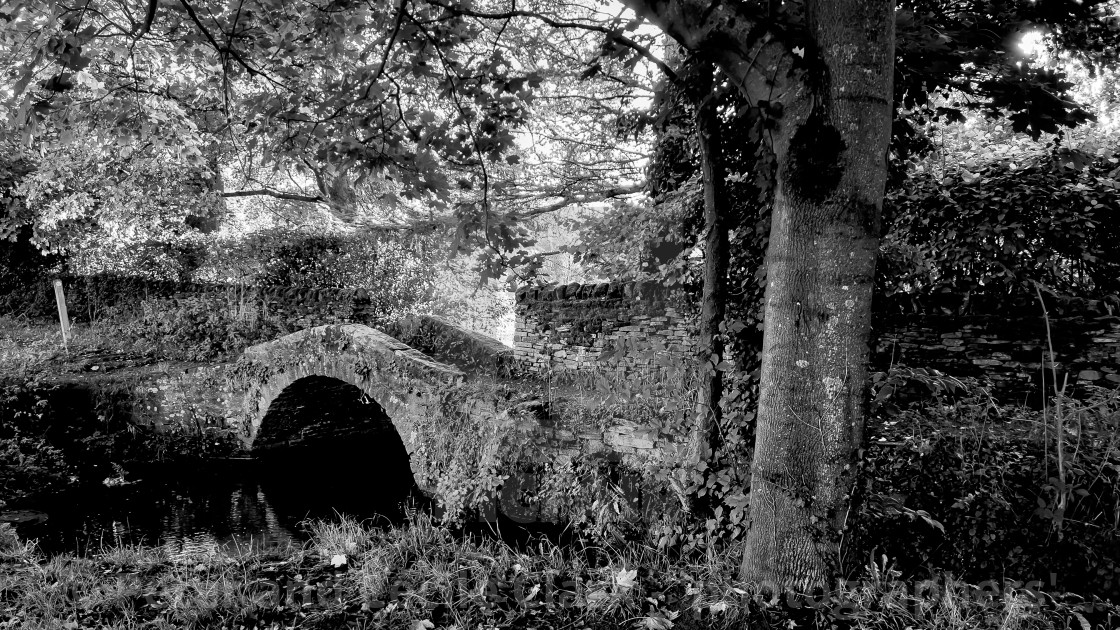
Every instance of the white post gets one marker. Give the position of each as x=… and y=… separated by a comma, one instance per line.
x=63, y=318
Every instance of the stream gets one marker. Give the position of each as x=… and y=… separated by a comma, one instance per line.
x=228, y=505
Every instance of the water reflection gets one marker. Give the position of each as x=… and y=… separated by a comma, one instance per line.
x=232, y=505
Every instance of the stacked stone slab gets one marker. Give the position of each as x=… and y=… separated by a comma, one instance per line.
x=97, y=296
x=629, y=328
x=621, y=327
x=1011, y=351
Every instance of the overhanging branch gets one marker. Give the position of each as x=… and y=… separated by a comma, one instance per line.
x=262, y=192
x=615, y=35
x=577, y=198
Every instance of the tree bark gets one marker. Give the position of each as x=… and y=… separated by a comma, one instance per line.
x=713, y=293
x=830, y=141
x=820, y=266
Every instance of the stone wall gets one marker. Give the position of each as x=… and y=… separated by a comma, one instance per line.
x=94, y=297
x=624, y=327
x=1010, y=350
x=176, y=396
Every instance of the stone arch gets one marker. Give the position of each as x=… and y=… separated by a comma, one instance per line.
x=319, y=408
x=397, y=381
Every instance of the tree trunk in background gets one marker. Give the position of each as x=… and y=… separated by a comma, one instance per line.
x=830, y=140
x=820, y=270
x=714, y=291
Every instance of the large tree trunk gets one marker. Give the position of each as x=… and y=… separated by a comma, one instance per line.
x=830, y=141
x=820, y=270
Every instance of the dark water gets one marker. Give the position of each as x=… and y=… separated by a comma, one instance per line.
x=230, y=505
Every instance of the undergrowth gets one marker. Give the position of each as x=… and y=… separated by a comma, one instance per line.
x=420, y=576
x=954, y=481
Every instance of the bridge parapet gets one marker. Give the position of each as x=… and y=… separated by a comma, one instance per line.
x=472, y=351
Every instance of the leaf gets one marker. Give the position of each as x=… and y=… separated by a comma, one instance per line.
x=656, y=621
x=626, y=578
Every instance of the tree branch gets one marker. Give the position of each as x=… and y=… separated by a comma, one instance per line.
x=213, y=42
x=263, y=192
x=755, y=55
x=614, y=35
x=148, y=19
x=581, y=197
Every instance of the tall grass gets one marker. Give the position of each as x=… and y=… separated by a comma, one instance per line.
x=419, y=573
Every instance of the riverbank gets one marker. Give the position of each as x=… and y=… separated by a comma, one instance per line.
x=421, y=576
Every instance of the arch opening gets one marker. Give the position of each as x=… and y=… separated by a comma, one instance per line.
x=324, y=444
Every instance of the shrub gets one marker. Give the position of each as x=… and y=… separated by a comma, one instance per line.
x=988, y=237
x=198, y=328
x=22, y=268
x=397, y=270
x=958, y=484
x=29, y=463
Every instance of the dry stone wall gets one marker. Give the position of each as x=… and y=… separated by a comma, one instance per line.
x=1011, y=350
x=628, y=328
x=93, y=297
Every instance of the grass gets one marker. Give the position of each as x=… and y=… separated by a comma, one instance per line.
x=27, y=344
x=409, y=577
x=422, y=576
x=30, y=347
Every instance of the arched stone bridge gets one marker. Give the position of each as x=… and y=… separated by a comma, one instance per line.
x=331, y=383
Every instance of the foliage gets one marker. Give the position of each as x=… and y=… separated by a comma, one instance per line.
x=940, y=43
x=431, y=95
x=717, y=486
x=370, y=259
x=199, y=329
x=487, y=310
x=955, y=483
x=355, y=117
x=467, y=441
x=21, y=263
x=133, y=320
x=601, y=498
x=615, y=498
x=975, y=239
x=29, y=464
x=22, y=266
x=168, y=258
x=111, y=209
x=422, y=576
